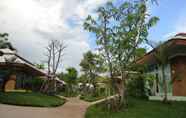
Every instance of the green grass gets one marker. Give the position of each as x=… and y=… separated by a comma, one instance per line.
x=66, y=94
x=141, y=109
x=89, y=98
x=30, y=99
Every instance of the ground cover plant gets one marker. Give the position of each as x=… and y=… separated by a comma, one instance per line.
x=30, y=99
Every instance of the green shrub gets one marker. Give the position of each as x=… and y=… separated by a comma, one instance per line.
x=90, y=98
x=69, y=91
x=136, y=87
x=97, y=94
x=34, y=84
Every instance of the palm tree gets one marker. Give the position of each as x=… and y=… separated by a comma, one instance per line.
x=72, y=75
x=92, y=65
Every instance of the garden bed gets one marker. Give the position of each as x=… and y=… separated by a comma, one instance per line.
x=30, y=99
x=140, y=109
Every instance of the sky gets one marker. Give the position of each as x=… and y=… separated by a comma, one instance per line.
x=32, y=23
x=172, y=19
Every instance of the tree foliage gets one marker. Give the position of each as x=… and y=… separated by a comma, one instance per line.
x=92, y=65
x=40, y=66
x=72, y=73
x=120, y=30
x=70, y=78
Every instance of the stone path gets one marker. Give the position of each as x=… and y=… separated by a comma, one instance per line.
x=73, y=108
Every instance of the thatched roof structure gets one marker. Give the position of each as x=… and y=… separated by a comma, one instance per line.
x=10, y=59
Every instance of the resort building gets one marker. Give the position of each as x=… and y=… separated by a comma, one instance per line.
x=175, y=70
x=15, y=71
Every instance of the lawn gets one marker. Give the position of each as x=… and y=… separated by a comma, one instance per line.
x=30, y=99
x=141, y=109
x=89, y=98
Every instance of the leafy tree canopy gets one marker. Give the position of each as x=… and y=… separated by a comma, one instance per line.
x=72, y=73
x=92, y=65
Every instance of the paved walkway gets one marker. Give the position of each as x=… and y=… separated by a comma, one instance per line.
x=73, y=108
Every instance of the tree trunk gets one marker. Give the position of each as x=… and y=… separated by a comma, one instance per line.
x=122, y=91
x=164, y=84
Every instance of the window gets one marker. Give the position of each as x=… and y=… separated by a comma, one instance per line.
x=1, y=83
x=157, y=83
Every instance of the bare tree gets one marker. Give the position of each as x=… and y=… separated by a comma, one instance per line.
x=55, y=52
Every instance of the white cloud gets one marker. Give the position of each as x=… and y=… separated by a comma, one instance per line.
x=181, y=24
x=31, y=23
x=169, y=35
x=178, y=27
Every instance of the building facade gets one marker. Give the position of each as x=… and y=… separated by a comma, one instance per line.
x=15, y=71
x=175, y=69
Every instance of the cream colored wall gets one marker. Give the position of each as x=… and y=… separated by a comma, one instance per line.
x=10, y=84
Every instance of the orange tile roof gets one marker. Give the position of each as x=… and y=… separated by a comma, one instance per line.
x=178, y=39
